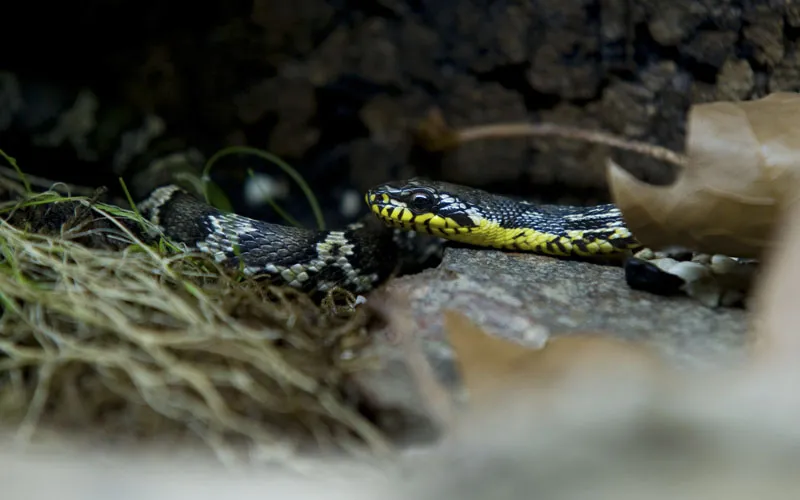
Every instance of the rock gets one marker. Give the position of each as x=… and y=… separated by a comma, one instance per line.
x=735, y=80
x=482, y=39
x=793, y=15
x=386, y=120
x=703, y=92
x=327, y=63
x=375, y=53
x=765, y=34
x=530, y=298
x=564, y=161
x=469, y=102
x=292, y=102
x=419, y=50
x=669, y=25
x=711, y=47
x=292, y=26
x=786, y=77
x=629, y=107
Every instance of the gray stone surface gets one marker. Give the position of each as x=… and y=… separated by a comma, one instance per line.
x=530, y=298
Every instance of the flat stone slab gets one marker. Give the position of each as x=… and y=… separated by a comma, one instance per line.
x=530, y=298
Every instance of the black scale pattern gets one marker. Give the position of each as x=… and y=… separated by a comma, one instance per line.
x=355, y=259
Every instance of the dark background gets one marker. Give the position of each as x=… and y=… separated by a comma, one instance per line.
x=333, y=87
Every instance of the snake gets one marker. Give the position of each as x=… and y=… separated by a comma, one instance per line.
x=363, y=255
x=409, y=221
x=483, y=219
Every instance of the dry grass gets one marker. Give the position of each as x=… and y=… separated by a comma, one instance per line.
x=128, y=342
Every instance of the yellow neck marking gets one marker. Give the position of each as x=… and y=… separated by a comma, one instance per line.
x=580, y=243
x=490, y=234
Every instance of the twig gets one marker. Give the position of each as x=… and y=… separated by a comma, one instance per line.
x=506, y=130
x=436, y=135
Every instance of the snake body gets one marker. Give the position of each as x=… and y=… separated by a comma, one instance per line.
x=483, y=219
x=356, y=259
x=366, y=253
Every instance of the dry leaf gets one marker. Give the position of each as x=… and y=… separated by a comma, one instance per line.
x=777, y=324
x=743, y=166
x=493, y=368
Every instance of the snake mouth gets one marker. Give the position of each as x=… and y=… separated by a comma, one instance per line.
x=388, y=210
x=397, y=214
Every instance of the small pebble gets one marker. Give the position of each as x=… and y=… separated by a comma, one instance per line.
x=681, y=254
x=689, y=271
x=732, y=298
x=664, y=263
x=677, y=253
x=705, y=290
x=722, y=264
x=713, y=280
x=700, y=283
x=702, y=258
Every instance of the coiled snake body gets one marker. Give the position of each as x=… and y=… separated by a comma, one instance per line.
x=365, y=254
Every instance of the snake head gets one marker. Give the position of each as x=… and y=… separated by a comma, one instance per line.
x=422, y=206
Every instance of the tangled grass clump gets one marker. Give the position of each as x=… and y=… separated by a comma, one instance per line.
x=106, y=336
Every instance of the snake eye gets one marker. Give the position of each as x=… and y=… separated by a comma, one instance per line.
x=421, y=200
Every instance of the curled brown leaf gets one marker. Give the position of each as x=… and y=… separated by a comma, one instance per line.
x=743, y=166
x=776, y=327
